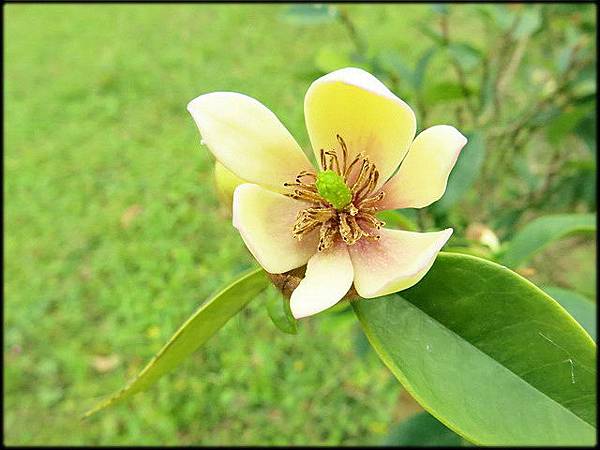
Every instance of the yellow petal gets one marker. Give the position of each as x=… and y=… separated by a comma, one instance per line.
x=367, y=115
x=248, y=139
x=328, y=278
x=265, y=220
x=423, y=175
x=396, y=262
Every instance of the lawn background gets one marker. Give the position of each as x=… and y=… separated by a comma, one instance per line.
x=114, y=234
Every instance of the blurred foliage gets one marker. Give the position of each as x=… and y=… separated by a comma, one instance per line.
x=523, y=77
x=520, y=81
x=113, y=232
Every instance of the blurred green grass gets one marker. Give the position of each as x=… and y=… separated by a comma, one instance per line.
x=113, y=234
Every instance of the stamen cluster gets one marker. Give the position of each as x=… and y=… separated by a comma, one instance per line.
x=352, y=221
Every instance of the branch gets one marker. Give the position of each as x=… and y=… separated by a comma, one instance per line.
x=462, y=79
x=359, y=43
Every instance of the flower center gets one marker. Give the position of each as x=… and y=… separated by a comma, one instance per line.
x=343, y=199
x=331, y=187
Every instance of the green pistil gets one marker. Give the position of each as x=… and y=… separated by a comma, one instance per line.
x=332, y=188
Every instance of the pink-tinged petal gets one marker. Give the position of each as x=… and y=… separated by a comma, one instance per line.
x=396, y=262
x=366, y=114
x=265, y=220
x=423, y=175
x=328, y=278
x=248, y=139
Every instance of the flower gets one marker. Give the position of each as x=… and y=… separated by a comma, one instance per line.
x=290, y=214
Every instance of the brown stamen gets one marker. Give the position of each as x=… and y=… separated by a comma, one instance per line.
x=353, y=222
x=351, y=166
x=344, y=152
x=327, y=235
x=333, y=159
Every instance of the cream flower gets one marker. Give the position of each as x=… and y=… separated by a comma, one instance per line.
x=290, y=214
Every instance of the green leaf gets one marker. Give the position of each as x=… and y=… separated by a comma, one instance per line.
x=558, y=128
x=432, y=33
x=362, y=348
x=205, y=322
x=465, y=54
x=278, y=308
x=545, y=115
x=584, y=84
x=541, y=232
x=422, y=430
x=529, y=22
x=488, y=354
x=480, y=251
x=440, y=8
x=521, y=166
x=495, y=15
x=464, y=174
x=444, y=91
x=582, y=309
x=421, y=67
x=392, y=61
x=310, y=14
x=396, y=219
x=586, y=130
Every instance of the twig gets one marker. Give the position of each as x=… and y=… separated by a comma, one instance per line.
x=506, y=42
x=359, y=43
x=462, y=79
x=513, y=65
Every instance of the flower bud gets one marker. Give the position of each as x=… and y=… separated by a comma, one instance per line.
x=226, y=182
x=482, y=234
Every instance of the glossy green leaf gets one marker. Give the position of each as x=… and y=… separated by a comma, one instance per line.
x=422, y=430
x=310, y=14
x=488, y=354
x=205, y=322
x=278, y=308
x=464, y=174
x=582, y=309
x=542, y=231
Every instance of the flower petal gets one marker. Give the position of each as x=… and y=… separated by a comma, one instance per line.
x=248, y=139
x=366, y=114
x=423, y=175
x=328, y=278
x=265, y=220
x=396, y=262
